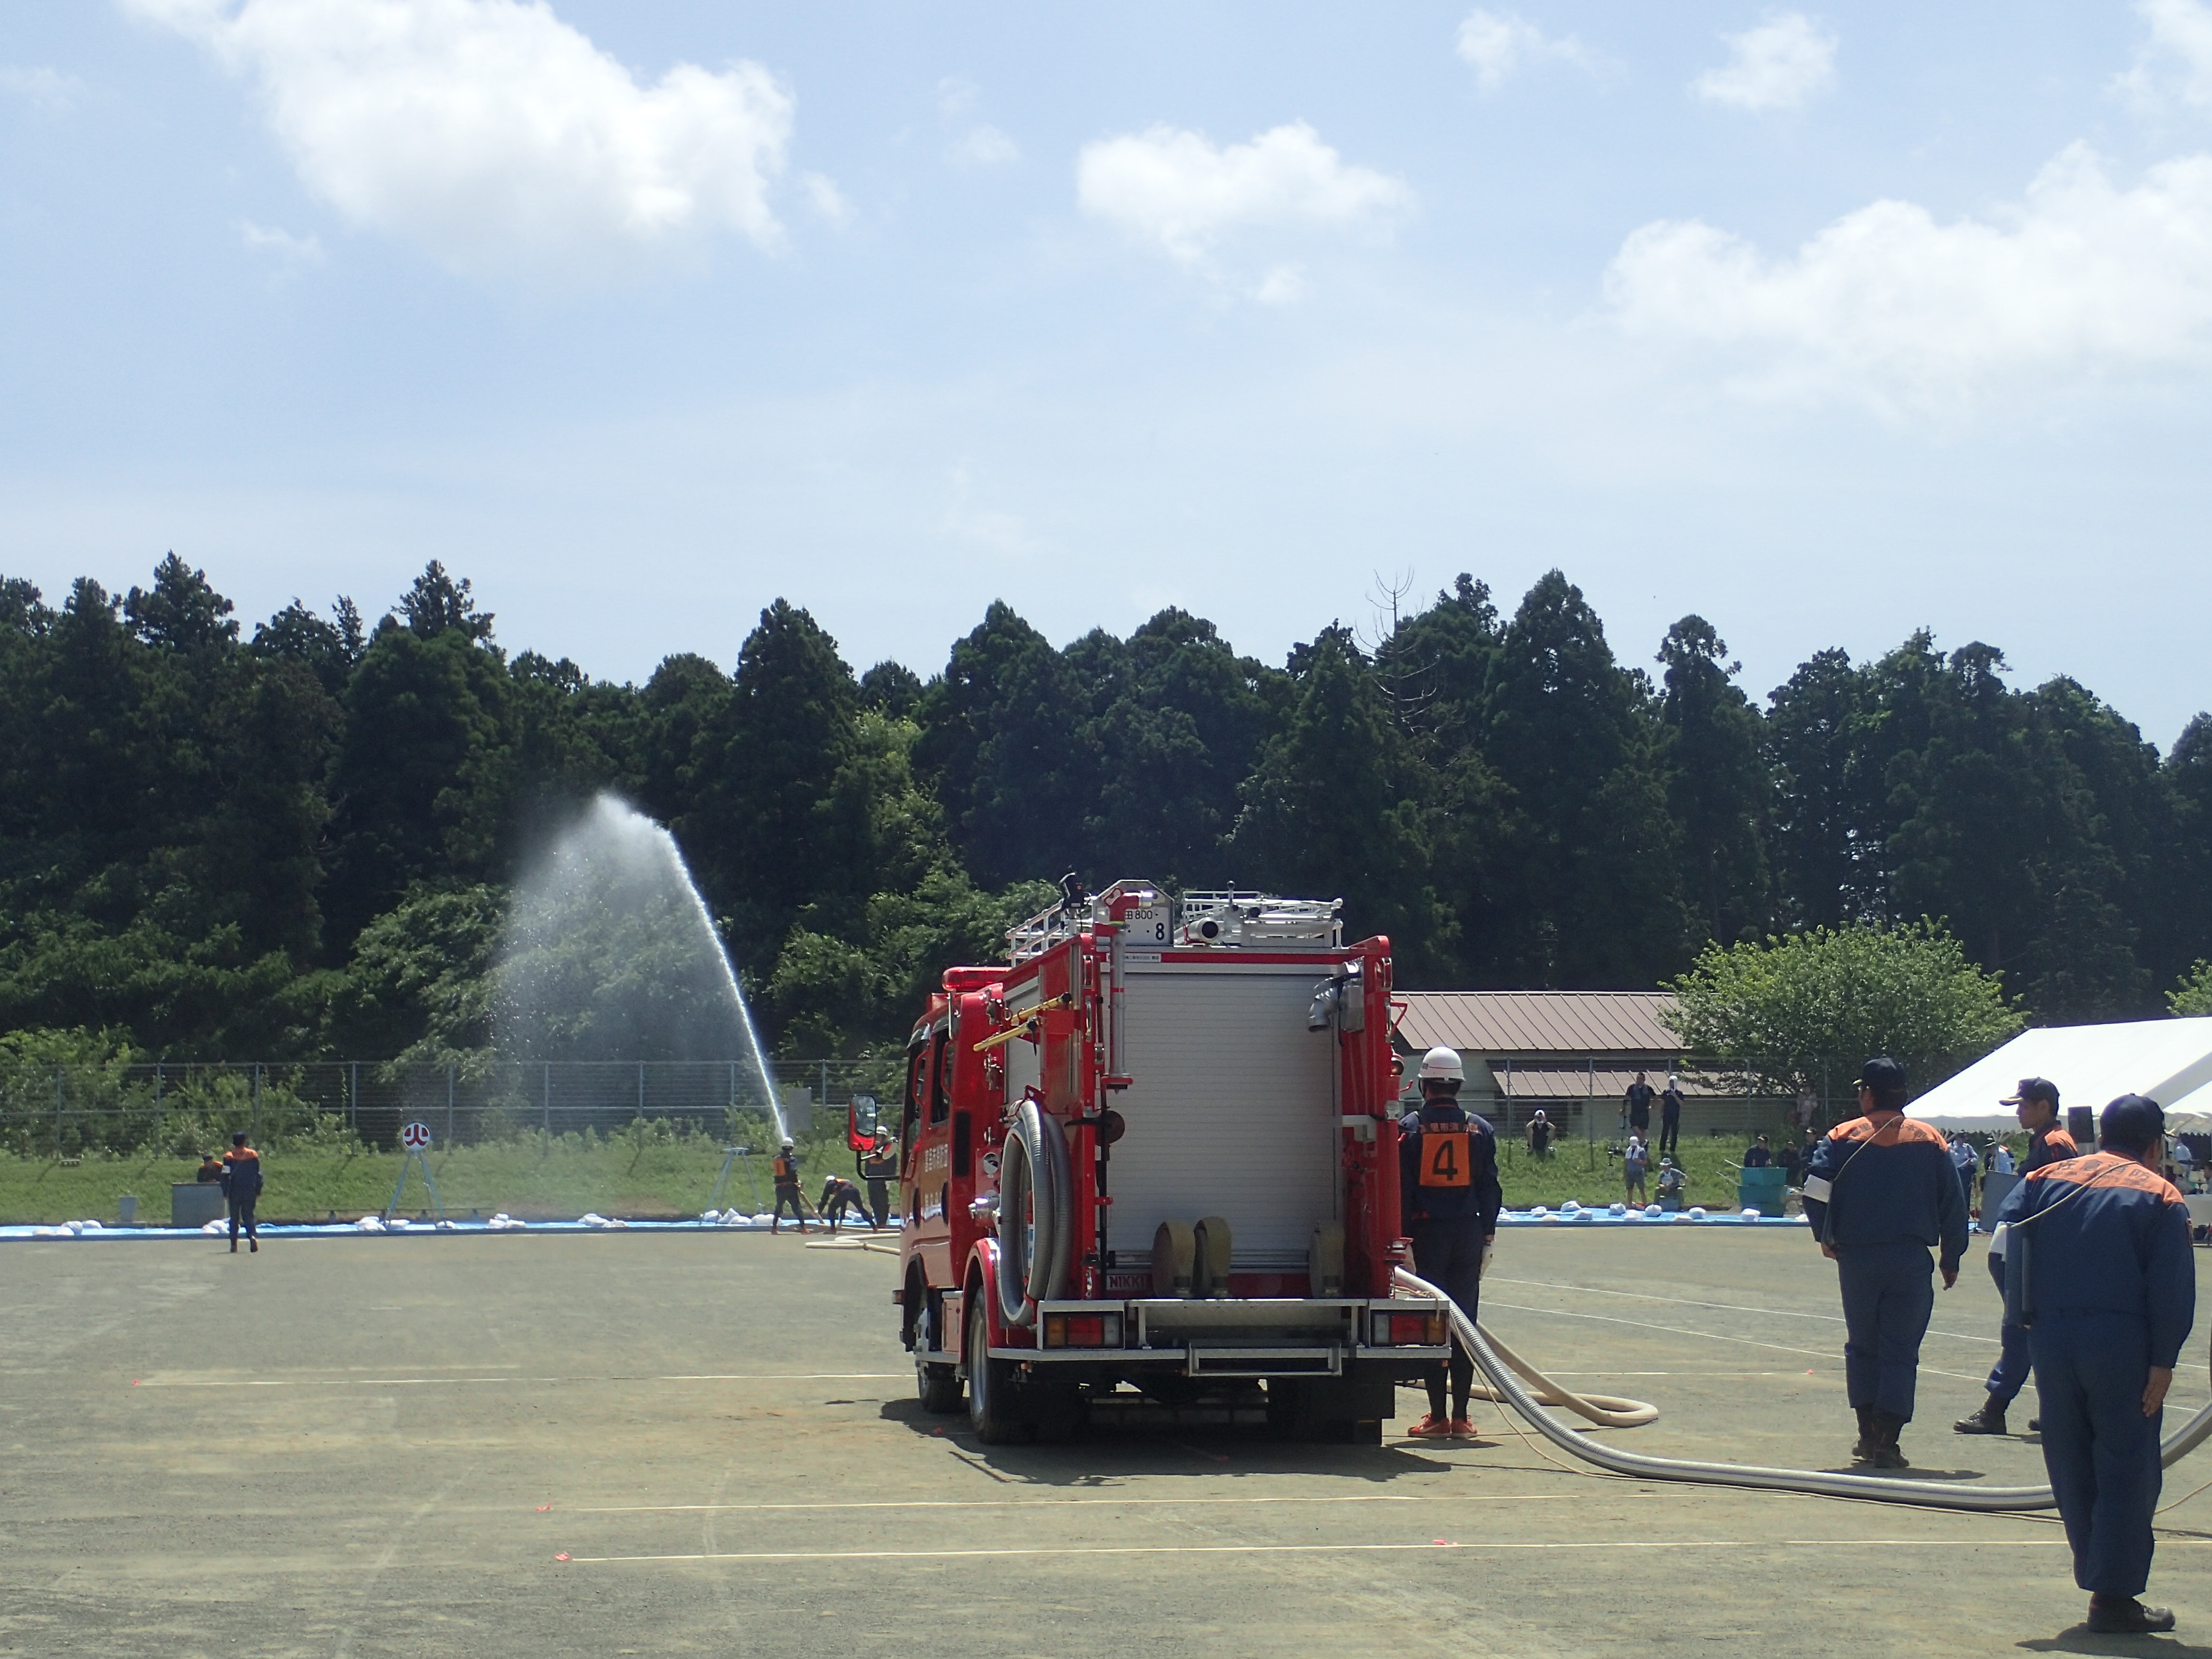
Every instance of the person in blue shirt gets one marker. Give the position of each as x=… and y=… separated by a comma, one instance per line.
x=2099, y=1269
x=2035, y=1103
x=1880, y=1193
x=1449, y=1199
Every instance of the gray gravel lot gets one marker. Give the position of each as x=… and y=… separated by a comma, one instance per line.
x=371, y=1446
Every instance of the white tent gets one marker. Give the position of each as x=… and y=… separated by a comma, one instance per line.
x=2168, y=1060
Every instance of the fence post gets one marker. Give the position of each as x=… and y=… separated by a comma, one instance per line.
x=353, y=1100
x=549, y=1098
x=57, y=1111
x=640, y=1091
x=255, y=1126
x=449, y=1102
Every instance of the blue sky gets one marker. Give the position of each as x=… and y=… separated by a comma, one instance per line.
x=1826, y=324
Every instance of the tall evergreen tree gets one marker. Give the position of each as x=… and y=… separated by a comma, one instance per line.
x=1717, y=785
x=1593, y=886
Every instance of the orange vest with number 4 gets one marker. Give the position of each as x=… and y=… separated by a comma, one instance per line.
x=1445, y=1157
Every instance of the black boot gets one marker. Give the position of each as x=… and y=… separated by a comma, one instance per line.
x=1862, y=1448
x=1988, y=1420
x=1887, y=1427
x=2125, y=1616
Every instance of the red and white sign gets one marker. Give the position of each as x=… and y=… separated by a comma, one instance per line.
x=416, y=1136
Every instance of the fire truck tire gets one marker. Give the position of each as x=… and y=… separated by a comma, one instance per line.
x=938, y=1386
x=1034, y=1175
x=994, y=1404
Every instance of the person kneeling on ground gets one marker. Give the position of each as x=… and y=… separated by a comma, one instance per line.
x=839, y=1195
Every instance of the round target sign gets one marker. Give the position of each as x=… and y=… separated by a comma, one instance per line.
x=416, y=1136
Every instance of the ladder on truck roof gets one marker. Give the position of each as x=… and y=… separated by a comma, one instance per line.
x=1226, y=917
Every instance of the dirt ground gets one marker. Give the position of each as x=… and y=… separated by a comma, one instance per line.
x=610, y=1444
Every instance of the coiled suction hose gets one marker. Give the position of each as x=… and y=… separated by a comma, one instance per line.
x=1925, y=1494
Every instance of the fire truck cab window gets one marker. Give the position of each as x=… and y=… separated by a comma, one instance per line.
x=940, y=1092
x=917, y=1060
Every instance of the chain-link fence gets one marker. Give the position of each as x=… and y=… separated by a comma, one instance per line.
x=69, y=1111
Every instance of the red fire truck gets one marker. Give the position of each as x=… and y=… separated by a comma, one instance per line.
x=1155, y=1153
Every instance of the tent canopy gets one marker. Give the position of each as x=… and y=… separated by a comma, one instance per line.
x=2168, y=1060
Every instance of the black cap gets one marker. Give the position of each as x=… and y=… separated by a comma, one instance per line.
x=1884, y=1076
x=2032, y=1088
x=238, y=1137
x=2129, y=1124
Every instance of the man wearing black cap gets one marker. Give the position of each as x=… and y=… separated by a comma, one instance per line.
x=1880, y=1192
x=2035, y=1103
x=2101, y=1276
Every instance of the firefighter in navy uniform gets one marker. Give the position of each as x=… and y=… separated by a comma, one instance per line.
x=2106, y=1287
x=1880, y=1192
x=241, y=1186
x=786, y=1172
x=1450, y=1198
x=2036, y=1105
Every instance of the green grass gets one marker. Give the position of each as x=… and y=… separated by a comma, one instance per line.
x=651, y=1178
x=535, y=1178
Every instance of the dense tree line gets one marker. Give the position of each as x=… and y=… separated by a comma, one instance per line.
x=299, y=842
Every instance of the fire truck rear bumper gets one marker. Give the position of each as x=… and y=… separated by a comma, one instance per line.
x=1250, y=1337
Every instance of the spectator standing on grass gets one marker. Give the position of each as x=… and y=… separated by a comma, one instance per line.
x=2111, y=1294
x=1759, y=1155
x=1635, y=1160
x=241, y=1187
x=1670, y=1115
x=1965, y=1159
x=1792, y=1160
x=1637, y=1104
x=1881, y=1191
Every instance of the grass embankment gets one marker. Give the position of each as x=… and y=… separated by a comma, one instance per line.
x=536, y=1178
x=1582, y=1171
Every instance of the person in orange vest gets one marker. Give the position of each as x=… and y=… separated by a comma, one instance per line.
x=785, y=1170
x=1448, y=1198
x=241, y=1186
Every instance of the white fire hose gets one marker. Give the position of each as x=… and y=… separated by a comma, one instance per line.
x=1505, y=1370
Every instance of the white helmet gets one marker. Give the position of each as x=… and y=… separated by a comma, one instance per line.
x=1443, y=1064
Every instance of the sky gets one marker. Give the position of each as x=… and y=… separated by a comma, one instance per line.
x=1826, y=324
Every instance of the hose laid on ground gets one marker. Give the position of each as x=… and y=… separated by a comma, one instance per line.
x=1606, y=1410
x=1925, y=1494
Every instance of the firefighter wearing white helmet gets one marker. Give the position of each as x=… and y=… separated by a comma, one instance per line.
x=1448, y=1200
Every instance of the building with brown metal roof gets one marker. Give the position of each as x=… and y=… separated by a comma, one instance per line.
x=1574, y=1053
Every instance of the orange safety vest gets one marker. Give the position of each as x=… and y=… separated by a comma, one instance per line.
x=786, y=1170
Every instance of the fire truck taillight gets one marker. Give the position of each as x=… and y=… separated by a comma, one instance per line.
x=1083, y=1330
x=1416, y=1330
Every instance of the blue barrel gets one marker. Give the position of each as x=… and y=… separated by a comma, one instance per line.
x=1760, y=1190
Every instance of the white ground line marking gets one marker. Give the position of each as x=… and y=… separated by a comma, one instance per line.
x=420, y=1382
x=1829, y=1355
x=2049, y=1543
x=1068, y=1502
x=1731, y=1307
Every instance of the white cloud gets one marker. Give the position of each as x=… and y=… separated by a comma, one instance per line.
x=45, y=91
x=977, y=144
x=495, y=136
x=1283, y=285
x=292, y=254
x=2081, y=280
x=1182, y=190
x=825, y=198
x=1500, y=44
x=2180, y=40
x=1780, y=64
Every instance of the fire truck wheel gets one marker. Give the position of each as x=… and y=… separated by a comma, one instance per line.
x=993, y=1411
x=939, y=1386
